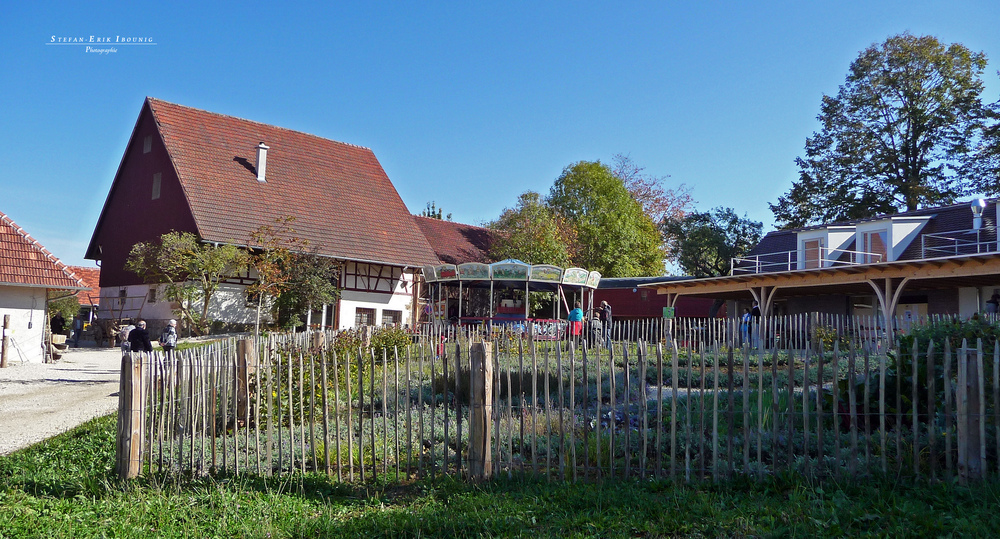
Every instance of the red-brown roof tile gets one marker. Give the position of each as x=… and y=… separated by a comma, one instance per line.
x=91, y=278
x=23, y=261
x=343, y=202
x=455, y=243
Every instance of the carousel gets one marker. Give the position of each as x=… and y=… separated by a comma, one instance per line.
x=502, y=295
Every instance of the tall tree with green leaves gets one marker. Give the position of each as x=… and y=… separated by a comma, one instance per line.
x=658, y=201
x=900, y=134
x=533, y=233
x=191, y=270
x=613, y=233
x=706, y=242
x=312, y=281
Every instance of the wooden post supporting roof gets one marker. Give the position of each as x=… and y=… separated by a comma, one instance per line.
x=914, y=275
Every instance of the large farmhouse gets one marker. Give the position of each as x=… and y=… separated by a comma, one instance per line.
x=933, y=261
x=222, y=178
x=28, y=272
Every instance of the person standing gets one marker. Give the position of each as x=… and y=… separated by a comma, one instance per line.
x=745, y=324
x=138, y=338
x=168, y=338
x=77, y=329
x=58, y=324
x=993, y=304
x=605, y=315
x=124, y=329
x=755, y=324
x=575, y=321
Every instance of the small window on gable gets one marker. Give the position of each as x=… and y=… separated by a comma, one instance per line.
x=156, y=186
x=152, y=295
x=147, y=144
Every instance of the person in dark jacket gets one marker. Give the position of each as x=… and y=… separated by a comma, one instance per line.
x=58, y=324
x=138, y=338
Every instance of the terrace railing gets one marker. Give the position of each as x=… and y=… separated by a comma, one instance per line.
x=959, y=242
x=823, y=257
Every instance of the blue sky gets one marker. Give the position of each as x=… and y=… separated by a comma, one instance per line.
x=465, y=104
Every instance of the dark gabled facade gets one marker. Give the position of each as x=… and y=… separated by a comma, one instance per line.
x=191, y=170
x=222, y=178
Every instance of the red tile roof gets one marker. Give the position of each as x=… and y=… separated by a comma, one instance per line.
x=23, y=261
x=91, y=278
x=455, y=243
x=343, y=202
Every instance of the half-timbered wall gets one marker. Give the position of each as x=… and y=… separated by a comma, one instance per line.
x=371, y=277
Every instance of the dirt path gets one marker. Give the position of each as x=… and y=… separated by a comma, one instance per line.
x=41, y=400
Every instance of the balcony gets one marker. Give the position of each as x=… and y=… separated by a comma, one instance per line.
x=802, y=259
x=959, y=242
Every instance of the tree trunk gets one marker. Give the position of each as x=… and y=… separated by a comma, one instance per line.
x=716, y=305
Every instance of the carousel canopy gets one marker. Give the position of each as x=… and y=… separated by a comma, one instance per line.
x=511, y=270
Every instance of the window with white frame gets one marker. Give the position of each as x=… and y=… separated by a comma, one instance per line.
x=874, y=247
x=812, y=253
x=392, y=318
x=364, y=317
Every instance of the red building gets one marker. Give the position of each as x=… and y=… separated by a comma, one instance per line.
x=629, y=301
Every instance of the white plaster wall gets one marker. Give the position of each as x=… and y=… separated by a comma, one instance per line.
x=135, y=304
x=904, y=231
x=26, y=307
x=968, y=302
x=351, y=300
x=228, y=304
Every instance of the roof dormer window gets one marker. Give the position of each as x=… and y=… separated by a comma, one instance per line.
x=874, y=247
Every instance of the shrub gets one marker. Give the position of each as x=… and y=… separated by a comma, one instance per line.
x=388, y=339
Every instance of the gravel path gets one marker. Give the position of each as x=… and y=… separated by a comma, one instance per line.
x=39, y=400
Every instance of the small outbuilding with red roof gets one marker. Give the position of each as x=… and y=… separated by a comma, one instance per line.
x=27, y=273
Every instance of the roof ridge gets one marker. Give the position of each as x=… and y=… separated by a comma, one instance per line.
x=449, y=221
x=882, y=216
x=272, y=126
x=39, y=247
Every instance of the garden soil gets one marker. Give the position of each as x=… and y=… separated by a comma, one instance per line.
x=39, y=400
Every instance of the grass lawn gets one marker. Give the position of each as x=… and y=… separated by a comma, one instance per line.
x=64, y=487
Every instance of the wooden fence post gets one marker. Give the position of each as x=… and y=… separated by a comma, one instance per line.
x=480, y=436
x=131, y=417
x=317, y=341
x=246, y=366
x=6, y=341
x=970, y=465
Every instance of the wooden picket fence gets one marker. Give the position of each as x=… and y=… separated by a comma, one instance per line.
x=473, y=404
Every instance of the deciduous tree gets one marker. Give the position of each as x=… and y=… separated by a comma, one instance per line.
x=289, y=278
x=901, y=133
x=532, y=233
x=191, y=270
x=706, y=242
x=658, y=201
x=613, y=234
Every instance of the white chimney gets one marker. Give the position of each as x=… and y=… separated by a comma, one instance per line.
x=262, y=162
